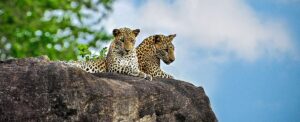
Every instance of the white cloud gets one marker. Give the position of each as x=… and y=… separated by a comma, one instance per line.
x=294, y=2
x=229, y=26
x=220, y=29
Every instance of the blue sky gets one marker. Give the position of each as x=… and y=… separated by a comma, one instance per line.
x=245, y=53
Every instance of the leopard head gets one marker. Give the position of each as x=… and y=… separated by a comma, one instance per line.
x=164, y=47
x=125, y=39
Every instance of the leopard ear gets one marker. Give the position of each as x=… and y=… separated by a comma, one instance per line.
x=157, y=39
x=136, y=32
x=116, y=32
x=172, y=36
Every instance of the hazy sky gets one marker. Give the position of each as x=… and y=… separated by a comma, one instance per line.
x=245, y=53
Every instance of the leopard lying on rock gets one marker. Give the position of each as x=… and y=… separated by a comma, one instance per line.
x=121, y=58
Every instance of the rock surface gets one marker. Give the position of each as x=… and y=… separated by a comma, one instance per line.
x=36, y=89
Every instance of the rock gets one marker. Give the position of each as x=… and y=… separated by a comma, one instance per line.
x=36, y=89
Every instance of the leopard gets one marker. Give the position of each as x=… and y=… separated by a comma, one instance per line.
x=153, y=49
x=122, y=57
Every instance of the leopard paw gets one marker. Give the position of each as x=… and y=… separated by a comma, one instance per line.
x=148, y=77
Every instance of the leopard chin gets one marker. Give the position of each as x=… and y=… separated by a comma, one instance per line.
x=167, y=62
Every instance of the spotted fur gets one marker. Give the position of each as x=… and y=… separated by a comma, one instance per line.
x=93, y=66
x=152, y=50
x=122, y=57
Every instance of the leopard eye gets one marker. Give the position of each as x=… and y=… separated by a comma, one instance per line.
x=122, y=39
x=166, y=50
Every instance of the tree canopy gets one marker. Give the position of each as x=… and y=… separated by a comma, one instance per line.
x=56, y=28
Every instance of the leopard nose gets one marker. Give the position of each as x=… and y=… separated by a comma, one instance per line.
x=127, y=50
x=171, y=60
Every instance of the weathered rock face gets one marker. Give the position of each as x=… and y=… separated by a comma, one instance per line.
x=36, y=89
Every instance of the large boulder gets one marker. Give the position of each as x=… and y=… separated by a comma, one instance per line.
x=36, y=89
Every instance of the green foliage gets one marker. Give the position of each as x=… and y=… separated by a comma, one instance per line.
x=86, y=54
x=56, y=28
x=83, y=50
x=103, y=53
